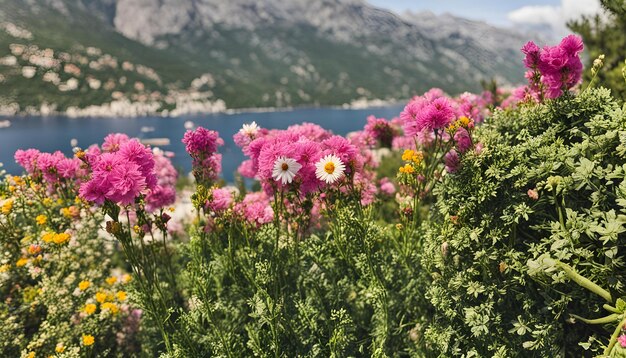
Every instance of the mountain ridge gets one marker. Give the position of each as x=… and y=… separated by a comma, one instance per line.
x=248, y=53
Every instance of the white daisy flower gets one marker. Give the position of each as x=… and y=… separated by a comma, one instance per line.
x=249, y=130
x=285, y=169
x=329, y=169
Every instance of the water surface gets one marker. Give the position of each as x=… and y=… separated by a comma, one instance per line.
x=56, y=132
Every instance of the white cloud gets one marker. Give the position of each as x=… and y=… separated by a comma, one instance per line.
x=554, y=16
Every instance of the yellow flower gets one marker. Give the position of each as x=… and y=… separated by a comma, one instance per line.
x=101, y=297
x=48, y=237
x=417, y=157
x=59, y=201
x=60, y=348
x=41, y=219
x=111, y=280
x=5, y=268
x=111, y=307
x=90, y=308
x=121, y=295
x=21, y=262
x=18, y=180
x=464, y=121
x=407, y=168
x=30, y=355
x=47, y=202
x=61, y=238
x=172, y=209
x=126, y=278
x=83, y=285
x=70, y=212
x=408, y=154
x=88, y=339
x=11, y=188
x=7, y=207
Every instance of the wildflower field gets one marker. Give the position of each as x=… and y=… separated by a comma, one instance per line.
x=482, y=225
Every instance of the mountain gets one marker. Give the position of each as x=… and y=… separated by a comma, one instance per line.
x=204, y=55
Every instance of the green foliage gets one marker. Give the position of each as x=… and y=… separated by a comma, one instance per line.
x=350, y=291
x=605, y=35
x=569, y=152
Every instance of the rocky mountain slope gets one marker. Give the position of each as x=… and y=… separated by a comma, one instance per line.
x=202, y=55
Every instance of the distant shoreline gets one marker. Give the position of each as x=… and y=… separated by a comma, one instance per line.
x=355, y=105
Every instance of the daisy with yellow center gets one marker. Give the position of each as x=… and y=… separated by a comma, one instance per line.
x=285, y=169
x=329, y=169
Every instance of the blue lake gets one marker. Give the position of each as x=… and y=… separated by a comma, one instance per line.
x=55, y=133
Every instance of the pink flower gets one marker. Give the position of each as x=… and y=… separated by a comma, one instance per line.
x=27, y=159
x=221, y=199
x=452, y=161
x=121, y=175
x=113, y=141
x=531, y=50
x=255, y=208
x=201, y=144
x=246, y=169
x=380, y=130
x=424, y=114
x=622, y=340
x=164, y=193
x=126, y=183
x=387, y=187
x=462, y=140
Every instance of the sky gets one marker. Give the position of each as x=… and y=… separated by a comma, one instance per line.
x=506, y=13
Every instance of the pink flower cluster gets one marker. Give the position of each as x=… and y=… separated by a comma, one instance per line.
x=255, y=208
x=201, y=144
x=164, y=193
x=121, y=172
x=53, y=168
x=426, y=114
x=221, y=199
x=380, y=131
x=305, y=143
x=554, y=68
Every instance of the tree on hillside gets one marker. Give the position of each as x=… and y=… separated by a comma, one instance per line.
x=606, y=35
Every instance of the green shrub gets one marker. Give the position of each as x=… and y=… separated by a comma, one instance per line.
x=570, y=153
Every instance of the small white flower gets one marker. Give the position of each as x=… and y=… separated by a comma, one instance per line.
x=249, y=130
x=285, y=169
x=329, y=169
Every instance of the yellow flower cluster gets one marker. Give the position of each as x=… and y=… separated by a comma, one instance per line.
x=110, y=306
x=83, y=285
x=41, y=219
x=414, y=157
x=88, y=339
x=462, y=122
x=90, y=308
x=407, y=169
x=60, y=348
x=21, y=262
x=70, y=212
x=59, y=239
x=111, y=280
x=411, y=155
x=7, y=206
